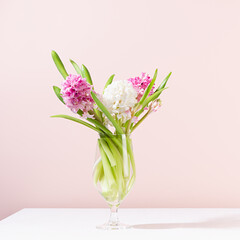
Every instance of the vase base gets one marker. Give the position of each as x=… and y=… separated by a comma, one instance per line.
x=117, y=226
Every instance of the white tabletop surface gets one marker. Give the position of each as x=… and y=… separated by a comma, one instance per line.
x=151, y=223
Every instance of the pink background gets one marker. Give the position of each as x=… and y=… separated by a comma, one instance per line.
x=187, y=154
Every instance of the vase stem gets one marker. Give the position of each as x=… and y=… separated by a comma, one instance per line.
x=113, y=220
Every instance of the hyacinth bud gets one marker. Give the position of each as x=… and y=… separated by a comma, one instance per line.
x=156, y=105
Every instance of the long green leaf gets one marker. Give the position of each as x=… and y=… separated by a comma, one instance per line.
x=76, y=67
x=164, y=82
x=101, y=126
x=85, y=74
x=78, y=121
x=57, y=91
x=106, y=112
x=150, y=86
x=149, y=99
x=59, y=64
x=109, y=81
x=153, y=97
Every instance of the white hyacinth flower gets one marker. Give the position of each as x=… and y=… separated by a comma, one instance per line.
x=119, y=97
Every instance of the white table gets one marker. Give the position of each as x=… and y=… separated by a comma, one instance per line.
x=151, y=223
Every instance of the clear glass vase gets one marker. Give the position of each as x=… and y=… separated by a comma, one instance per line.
x=114, y=174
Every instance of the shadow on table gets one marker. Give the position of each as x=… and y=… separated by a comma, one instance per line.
x=224, y=222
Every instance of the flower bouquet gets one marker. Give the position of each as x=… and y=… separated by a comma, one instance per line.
x=114, y=115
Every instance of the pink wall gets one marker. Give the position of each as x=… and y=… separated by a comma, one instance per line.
x=187, y=154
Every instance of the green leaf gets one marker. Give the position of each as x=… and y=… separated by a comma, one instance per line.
x=164, y=82
x=150, y=86
x=85, y=74
x=101, y=126
x=153, y=97
x=106, y=112
x=59, y=64
x=109, y=81
x=76, y=67
x=78, y=121
x=57, y=91
x=150, y=99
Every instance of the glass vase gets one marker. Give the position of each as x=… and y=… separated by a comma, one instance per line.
x=114, y=174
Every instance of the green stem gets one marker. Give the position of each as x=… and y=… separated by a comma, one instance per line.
x=98, y=172
x=108, y=174
x=141, y=120
x=96, y=114
x=100, y=126
x=132, y=180
x=118, y=159
x=128, y=125
x=108, y=152
x=126, y=169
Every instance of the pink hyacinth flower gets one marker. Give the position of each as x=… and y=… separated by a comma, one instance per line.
x=140, y=84
x=76, y=94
